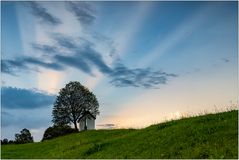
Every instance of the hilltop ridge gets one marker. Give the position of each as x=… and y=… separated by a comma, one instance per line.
x=207, y=136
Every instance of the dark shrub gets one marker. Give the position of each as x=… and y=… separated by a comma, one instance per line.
x=56, y=131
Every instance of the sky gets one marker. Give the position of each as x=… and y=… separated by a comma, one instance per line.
x=146, y=62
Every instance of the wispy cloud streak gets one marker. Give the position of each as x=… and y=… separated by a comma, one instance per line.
x=44, y=48
x=146, y=78
x=84, y=57
x=42, y=14
x=25, y=63
x=82, y=10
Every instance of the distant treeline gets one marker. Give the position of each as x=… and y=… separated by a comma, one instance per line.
x=6, y=141
x=23, y=137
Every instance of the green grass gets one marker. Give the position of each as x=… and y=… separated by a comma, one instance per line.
x=208, y=136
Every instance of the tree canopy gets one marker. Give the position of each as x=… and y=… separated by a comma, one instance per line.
x=24, y=137
x=72, y=102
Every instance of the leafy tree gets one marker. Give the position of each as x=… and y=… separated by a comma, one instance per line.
x=56, y=131
x=73, y=100
x=4, y=141
x=23, y=137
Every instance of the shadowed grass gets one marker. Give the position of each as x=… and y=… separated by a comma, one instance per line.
x=208, y=136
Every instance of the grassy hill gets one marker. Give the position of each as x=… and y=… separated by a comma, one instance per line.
x=208, y=136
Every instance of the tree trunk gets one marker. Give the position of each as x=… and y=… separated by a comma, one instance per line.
x=75, y=124
x=85, y=128
x=74, y=120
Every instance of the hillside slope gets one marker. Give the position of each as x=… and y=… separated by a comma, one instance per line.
x=208, y=136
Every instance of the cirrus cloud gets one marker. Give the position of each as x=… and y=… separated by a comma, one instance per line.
x=42, y=14
x=82, y=10
x=84, y=57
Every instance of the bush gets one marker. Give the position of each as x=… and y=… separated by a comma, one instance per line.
x=57, y=131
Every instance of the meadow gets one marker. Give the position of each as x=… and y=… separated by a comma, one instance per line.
x=207, y=136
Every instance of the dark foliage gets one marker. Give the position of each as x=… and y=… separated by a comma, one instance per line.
x=72, y=102
x=23, y=137
x=11, y=142
x=57, y=131
x=4, y=141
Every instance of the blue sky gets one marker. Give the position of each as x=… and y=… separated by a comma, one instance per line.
x=145, y=61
